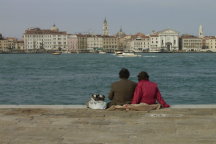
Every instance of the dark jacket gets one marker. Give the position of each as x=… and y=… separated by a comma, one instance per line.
x=121, y=92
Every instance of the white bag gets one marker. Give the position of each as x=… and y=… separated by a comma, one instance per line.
x=96, y=104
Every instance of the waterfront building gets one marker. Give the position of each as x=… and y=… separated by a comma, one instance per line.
x=95, y=43
x=82, y=43
x=105, y=28
x=45, y=39
x=154, y=40
x=109, y=44
x=123, y=43
x=72, y=43
x=190, y=43
x=19, y=45
x=8, y=44
x=165, y=40
x=210, y=43
x=138, y=43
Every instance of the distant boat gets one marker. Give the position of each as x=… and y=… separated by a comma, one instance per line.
x=127, y=54
x=118, y=52
x=56, y=53
x=102, y=52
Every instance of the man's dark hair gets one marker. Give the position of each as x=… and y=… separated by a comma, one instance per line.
x=124, y=73
x=143, y=76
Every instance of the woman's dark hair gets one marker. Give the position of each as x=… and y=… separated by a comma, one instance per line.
x=143, y=76
x=124, y=73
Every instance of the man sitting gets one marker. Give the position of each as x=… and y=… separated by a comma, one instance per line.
x=122, y=91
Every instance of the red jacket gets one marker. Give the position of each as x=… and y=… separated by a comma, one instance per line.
x=148, y=92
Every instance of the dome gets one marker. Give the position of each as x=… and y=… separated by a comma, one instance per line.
x=54, y=28
x=120, y=33
x=1, y=36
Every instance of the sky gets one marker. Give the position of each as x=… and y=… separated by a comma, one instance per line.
x=87, y=16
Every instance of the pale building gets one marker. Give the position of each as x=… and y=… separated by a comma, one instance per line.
x=8, y=44
x=95, y=42
x=165, y=40
x=109, y=43
x=154, y=43
x=139, y=43
x=19, y=45
x=190, y=43
x=123, y=43
x=45, y=39
x=82, y=43
x=72, y=43
x=210, y=42
x=105, y=28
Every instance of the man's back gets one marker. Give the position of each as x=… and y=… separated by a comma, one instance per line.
x=122, y=92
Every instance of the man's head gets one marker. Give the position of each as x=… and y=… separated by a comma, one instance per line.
x=143, y=76
x=124, y=73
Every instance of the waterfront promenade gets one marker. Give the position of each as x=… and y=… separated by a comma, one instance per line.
x=79, y=125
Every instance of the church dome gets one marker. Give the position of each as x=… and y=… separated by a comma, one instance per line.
x=54, y=28
x=120, y=33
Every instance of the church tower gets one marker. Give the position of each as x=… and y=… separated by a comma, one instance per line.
x=105, y=28
x=201, y=35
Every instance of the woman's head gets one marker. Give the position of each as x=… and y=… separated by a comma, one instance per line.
x=143, y=76
x=124, y=73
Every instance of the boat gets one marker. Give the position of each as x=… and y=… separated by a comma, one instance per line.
x=127, y=54
x=56, y=53
x=102, y=52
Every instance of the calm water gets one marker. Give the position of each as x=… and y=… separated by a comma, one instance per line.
x=71, y=78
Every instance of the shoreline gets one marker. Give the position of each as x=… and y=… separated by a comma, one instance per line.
x=178, y=106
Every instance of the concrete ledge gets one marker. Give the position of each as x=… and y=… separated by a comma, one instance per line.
x=195, y=106
x=84, y=106
x=44, y=106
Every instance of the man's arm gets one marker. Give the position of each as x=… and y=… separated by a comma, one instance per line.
x=111, y=93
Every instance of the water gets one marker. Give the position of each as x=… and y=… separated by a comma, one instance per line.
x=183, y=78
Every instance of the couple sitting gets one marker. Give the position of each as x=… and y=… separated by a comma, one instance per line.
x=128, y=94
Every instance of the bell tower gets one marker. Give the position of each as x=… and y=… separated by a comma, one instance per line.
x=201, y=35
x=105, y=28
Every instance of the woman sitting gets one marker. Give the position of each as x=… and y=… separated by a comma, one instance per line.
x=147, y=92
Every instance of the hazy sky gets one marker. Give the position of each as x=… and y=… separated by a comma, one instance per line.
x=134, y=16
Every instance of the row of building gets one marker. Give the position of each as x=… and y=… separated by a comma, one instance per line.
x=168, y=40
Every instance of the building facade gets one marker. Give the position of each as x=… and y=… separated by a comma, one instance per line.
x=165, y=40
x=48, y=39
x=139, y=43
x=72, y=43
x=210, y=43
x=8, y=44
x=109, y=44
x=82, y=43
x=95, y=43
x=191, y=43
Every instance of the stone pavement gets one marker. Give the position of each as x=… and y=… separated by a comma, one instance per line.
x=86, y=126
